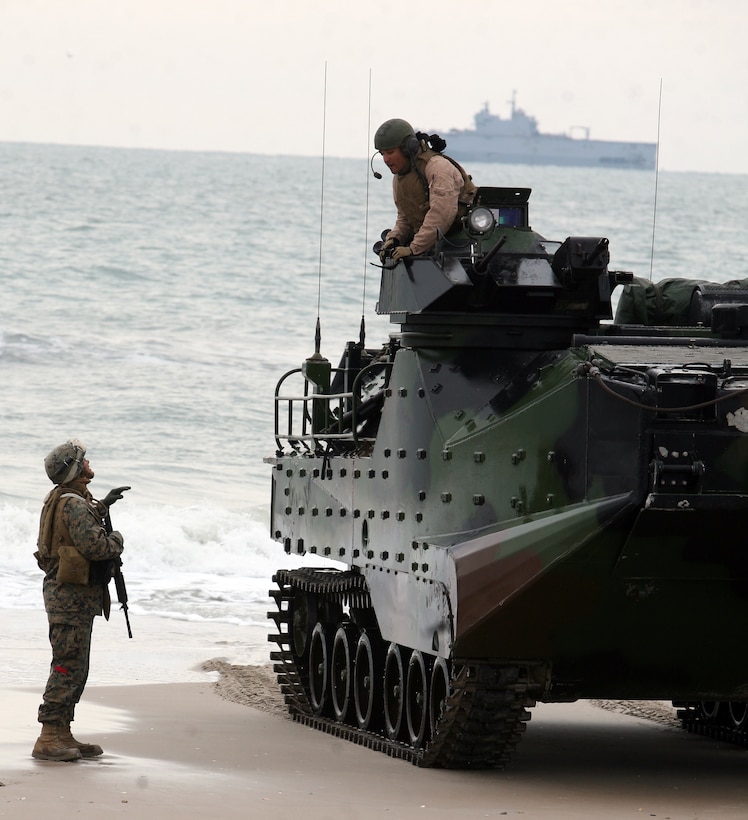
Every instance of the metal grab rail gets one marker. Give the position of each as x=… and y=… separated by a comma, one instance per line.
x=342, y=409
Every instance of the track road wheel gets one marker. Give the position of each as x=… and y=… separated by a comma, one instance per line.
x=319, y=668
x=303, y=618
x=367, y=679
x=711, y=710
x=438, y=692
x=416, y=699
x=341, y=672
x=738, y=711
x=394, y=692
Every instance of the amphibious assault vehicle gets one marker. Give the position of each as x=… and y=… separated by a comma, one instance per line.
x=527, y=499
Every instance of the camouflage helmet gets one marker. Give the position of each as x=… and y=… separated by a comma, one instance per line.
x=65, y=462
x=396, y=134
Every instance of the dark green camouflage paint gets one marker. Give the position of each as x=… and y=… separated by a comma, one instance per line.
x=527, y=494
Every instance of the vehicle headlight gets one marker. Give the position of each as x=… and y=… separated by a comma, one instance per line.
x=481, y=220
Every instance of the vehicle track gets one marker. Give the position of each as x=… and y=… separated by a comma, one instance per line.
x=483, y=715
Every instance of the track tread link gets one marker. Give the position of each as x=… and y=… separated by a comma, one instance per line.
x=483, y=718
x=694, y=722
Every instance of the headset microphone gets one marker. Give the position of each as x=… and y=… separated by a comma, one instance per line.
x=377, y=175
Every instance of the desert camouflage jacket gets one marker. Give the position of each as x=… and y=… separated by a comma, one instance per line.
x=71, y=516
x=424, y=213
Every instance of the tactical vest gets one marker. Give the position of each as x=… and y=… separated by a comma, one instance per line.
x=413, y=190
x=53, y=531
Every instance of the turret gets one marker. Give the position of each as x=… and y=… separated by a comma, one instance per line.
x=499, y=283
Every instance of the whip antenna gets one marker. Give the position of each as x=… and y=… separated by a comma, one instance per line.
x=318, y=331
x=657, y=177
x=362, y=332
x=316, y=369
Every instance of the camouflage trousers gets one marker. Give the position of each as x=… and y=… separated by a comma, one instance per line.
x=71, y=649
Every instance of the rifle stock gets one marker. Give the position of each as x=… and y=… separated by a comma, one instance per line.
x=119, y=578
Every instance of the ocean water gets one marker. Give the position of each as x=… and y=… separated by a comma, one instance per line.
x=152, y=299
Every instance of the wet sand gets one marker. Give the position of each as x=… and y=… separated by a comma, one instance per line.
x=193, y=726
x=197, y=750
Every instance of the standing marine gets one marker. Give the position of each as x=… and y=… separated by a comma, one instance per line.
x=76, y=552
x=432, y=192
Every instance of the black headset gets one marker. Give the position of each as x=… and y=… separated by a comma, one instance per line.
x=411, y=146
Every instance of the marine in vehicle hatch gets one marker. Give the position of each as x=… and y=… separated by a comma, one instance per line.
x=432, y=192
x=76, y=553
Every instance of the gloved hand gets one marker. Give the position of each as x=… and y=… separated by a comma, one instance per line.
x=384, y=251
x=113, y=495
x=399, y=253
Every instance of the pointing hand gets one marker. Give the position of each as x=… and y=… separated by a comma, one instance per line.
x=114, y=495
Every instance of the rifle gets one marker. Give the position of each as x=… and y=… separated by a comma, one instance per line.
x=119, y=578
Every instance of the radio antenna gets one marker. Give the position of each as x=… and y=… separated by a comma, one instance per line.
x=316, y=369
x=362, y=332
x=657, y=177
x=318, y=331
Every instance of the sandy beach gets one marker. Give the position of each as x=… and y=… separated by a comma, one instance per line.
x=223, y=747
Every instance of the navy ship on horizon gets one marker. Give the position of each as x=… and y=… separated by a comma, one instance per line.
x=517, y=140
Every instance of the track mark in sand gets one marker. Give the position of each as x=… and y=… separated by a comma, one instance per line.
x=257, y=686
x=254, y=686
x=656, y=711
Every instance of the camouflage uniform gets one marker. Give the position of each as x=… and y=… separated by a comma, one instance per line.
x=71, y=517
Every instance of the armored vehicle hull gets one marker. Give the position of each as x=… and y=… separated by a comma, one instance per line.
x=529, y=502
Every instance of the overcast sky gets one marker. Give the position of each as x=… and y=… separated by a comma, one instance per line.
x=245, y=75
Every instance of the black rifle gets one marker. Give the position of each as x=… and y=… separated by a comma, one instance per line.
x=119, y=578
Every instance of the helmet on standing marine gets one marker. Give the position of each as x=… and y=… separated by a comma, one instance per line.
x=396, y=133
x=65, y=462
